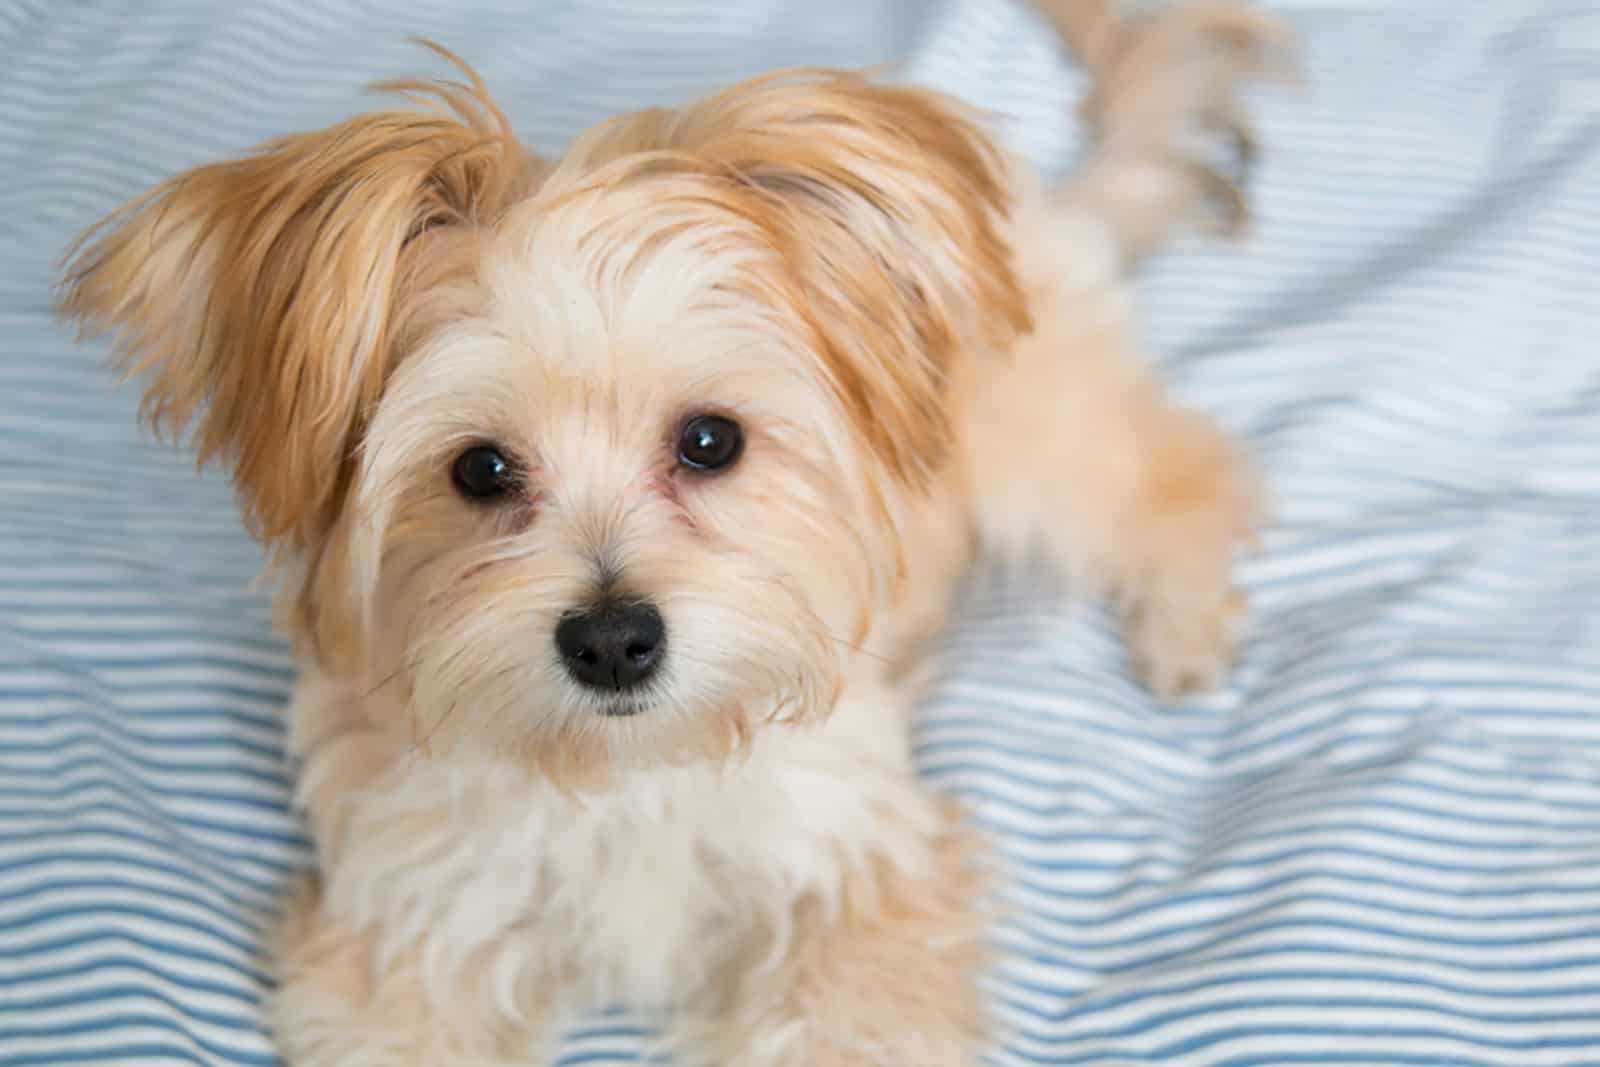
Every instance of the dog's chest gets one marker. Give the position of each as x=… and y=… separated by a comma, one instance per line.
x=632, y=895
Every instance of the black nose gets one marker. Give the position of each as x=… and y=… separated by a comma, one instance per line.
x=614, y=646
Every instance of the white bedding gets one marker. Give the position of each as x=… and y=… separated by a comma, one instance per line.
x=1380, y=844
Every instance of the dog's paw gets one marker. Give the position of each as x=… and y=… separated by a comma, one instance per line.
x=1186, y=616
x=1166, y=85
x=1185, y=642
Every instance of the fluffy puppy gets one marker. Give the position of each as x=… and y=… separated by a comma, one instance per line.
x=614, y=500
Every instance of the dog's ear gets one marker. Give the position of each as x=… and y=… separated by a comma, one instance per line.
x=257, y=295
x=888, y=204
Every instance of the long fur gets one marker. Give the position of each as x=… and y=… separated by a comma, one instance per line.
x=931, y=356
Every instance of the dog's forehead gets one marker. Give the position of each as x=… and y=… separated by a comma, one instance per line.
x=597, y=328
x=613, y=286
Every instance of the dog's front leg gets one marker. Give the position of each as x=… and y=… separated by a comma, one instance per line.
x=886, y=975
x=1079, y=457
x=342, y=1002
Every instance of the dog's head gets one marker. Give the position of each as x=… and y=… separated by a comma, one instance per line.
x=600, y=461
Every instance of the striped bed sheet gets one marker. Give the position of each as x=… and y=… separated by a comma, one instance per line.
x=1378, y=844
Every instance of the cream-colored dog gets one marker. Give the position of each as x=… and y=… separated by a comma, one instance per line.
x=615, y=500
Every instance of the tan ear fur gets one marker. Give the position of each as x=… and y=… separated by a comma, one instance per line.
x=887, y=203
x=258, y=295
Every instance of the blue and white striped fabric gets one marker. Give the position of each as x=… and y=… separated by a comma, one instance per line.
x=1379, y=845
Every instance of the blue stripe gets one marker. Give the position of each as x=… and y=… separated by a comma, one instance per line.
x=1125, y=947
x=1331, y=1032
x=236, y=860
x=137, y=1052
x=56, y=1033
x=168, y=976
x=275, y=780
x=108, y=909
x=229, y=1020
x=132, y=862
x=1091, y=1005
x=171, y=951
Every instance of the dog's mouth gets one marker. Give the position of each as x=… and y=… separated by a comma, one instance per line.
x=623, y=708
x=624, y=705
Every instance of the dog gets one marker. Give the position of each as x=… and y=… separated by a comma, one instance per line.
x=613, y=501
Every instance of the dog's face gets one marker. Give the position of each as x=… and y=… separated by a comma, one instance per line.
x=615, y=500
x=599, y=462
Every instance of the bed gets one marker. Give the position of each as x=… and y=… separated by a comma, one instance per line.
x=1378, y=844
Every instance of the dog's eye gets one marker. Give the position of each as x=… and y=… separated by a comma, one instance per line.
x=710, y=443
x=482, y=472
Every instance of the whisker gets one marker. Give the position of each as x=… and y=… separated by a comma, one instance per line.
x=427, y=739
x=885, y=660
x=391, y=676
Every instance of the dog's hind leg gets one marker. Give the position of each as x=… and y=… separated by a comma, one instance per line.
x=1074, y=450
x=1172, y=144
